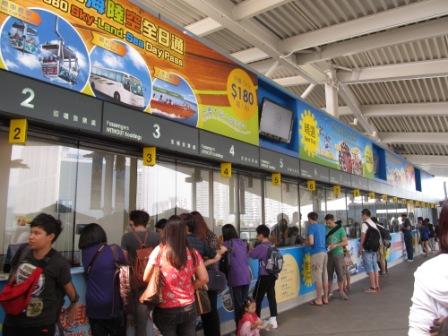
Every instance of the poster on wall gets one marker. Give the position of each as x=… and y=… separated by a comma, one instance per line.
x=115, y=51
x=400, y=172
x=328, y=142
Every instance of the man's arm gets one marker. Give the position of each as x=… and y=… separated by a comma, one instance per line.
x=70, y=290
x=310, y=240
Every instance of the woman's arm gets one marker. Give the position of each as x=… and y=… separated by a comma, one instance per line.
x=201, y=276
x=151, y=261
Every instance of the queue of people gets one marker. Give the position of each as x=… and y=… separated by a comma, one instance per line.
x=182, y=259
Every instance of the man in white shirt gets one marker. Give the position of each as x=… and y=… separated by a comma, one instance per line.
x=368, y=247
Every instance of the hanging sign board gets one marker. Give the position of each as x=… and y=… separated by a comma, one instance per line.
x=18, y=129
x=276, y=179
x=149, y=156
x=226, y=169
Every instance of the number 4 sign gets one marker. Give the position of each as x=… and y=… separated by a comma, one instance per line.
x=18, y=129
x=226, y=169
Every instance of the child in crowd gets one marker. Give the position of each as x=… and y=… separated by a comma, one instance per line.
x=348, y=264
x=250, y=324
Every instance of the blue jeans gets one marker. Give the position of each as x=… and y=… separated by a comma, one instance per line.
x=370, y=261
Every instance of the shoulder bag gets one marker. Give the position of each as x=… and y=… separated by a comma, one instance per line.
x=151, y=295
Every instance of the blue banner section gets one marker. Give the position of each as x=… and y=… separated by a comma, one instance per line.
x=268, y=91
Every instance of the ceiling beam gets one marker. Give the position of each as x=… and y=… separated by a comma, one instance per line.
x=351, y=101
x=428, y=160
x=404, y=110
x=432, y=138
x=379, y=40
x=242, y=11
x=252, y=32
x=250, y=55
x=394, y=72
x=250, y=8
x=204, y=27
x=388, y=19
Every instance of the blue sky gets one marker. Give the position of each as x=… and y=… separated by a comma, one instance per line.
x=29, y=65
x=132, y=63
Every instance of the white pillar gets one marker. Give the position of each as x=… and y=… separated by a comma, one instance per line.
x=331, y=94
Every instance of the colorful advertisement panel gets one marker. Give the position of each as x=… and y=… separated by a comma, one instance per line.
x=328, y=142
x=114, y=51
x=400, y=172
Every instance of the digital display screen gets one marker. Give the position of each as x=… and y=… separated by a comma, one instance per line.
x=276, y=121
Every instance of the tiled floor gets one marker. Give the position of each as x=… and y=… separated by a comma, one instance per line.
x=383, y=314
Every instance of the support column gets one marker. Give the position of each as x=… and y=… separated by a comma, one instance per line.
x=331, y=94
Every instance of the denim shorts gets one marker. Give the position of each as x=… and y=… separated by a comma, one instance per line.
x=370, y=261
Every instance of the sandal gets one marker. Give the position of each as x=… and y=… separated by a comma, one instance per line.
x=370, y=290
x=314, y=303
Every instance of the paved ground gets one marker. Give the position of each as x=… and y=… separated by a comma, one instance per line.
x=384, y=314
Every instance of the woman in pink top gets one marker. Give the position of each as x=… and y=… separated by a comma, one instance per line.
x=176, y=315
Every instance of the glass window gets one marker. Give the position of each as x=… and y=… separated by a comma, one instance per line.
x=38, y=177
x=272, y=203
x=355, y=206
x=306, y=206
x=337, y=206
x=156, y=189
x=224, y=201
x=250, y=205
x=102, y=193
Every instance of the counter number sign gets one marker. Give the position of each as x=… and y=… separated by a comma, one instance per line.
x=336, y=191
x=276, y=179
x=226, y=169
x=18, y=129
x=311, y=185
x=356, y=193
x=372, y=195
x=149, y=156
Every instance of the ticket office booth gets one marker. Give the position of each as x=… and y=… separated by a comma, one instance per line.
x=81, y=180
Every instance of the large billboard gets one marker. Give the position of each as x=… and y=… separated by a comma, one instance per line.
x=400, y=172
x=114, y=51
x=331, y=143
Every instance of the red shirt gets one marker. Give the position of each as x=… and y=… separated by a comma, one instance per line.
x=177, y=289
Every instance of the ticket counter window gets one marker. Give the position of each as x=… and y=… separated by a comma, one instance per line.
x=225, y=207
x=394, y=215
x=310, y=201
x=102, y=192
x=250, y=206
x=282, y=211
x=354, y=220
x=337, y=205
x=156, y=189
x=381, y=212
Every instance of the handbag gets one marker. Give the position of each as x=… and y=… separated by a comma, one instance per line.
x=151, y=295
x=217, y=281
x=202, y=301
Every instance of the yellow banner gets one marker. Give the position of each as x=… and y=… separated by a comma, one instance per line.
x=20, y=12
x=108, y=44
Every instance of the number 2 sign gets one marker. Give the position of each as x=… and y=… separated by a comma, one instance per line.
x=17, y=131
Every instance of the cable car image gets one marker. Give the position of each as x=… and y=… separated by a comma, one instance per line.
x=58, y=60
x=23, y=38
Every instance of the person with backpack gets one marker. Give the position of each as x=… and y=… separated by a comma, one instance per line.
x=385, y=244
x=369, y=245
x=46, y=275
x=103, y=303
x=237, y=270
x=138, y=244
x=336, y=241
x=268, y=273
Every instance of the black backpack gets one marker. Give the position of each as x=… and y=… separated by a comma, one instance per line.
x=385, y=235
x=372, y=241
x=274, y=261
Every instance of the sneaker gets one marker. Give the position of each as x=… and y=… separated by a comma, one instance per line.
x=273, y=322
x=410, y=260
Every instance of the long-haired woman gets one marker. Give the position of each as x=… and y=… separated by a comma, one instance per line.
x=183, y=271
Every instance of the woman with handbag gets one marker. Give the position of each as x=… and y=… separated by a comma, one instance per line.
x=236, y=267
x=103, y=302
x=173, y=273
x=206, y=242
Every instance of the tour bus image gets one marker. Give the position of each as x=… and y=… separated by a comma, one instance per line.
x=58, y=60
x=23, y=38
x=119, y=85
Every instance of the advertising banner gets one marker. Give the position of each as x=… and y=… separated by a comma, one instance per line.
x=328, y=142
x=115, y=51
x=400, y=172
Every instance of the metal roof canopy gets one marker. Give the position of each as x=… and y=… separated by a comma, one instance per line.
x=389, y=60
